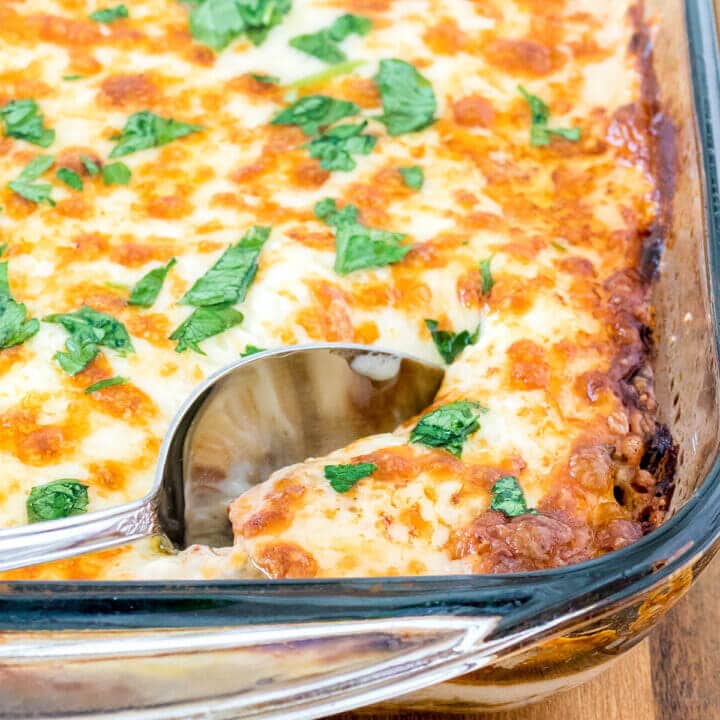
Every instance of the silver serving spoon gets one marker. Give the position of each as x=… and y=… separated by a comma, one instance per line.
x=255, y=416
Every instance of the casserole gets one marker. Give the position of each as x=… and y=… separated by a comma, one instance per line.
x=169, y=650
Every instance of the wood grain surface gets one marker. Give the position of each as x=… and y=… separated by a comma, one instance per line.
x=674, y=675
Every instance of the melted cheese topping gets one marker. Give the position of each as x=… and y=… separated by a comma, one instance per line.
x=563, y=223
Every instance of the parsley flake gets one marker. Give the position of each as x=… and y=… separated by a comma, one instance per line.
x=324, y=43
x=108, y=15
x=89, y=329
x=413, y=176
x=486, y=279
x=265, y=79
x=407, y=97
x=148, y=287
x=450, y=344
x=204, y=323
x=228, y=280
x=508, y=497
x=358, y=247
x=344, y=477
x=335, y=147
x=23, y=120
x=145, y=130
x=57, y=499
x=448, y=426
x=117, y=173
x=252, y=350
x=25, y=185
x=539, y=116
x=91, y=167
x=216, y=23
x=70, y=178
x=315, y=111
x=106, y=383
x=15, y=328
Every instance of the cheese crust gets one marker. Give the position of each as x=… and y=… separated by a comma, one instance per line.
x=561, y=362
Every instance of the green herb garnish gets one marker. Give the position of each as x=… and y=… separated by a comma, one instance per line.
x=324, y=43
x=508, y=497
x=558, y=246
x=117, y=173
x=57, y=499
x=408, y=99
x=450, y=344
x=88, y=330
x=70, y=178
x=486, y=278
x=356, y=246
x=265, y=79
x=252, y=350
x=148, y=287
x=102, y=384
x=328, y=74
x=25, y=185
x=343, y=477
x=72, y=78
x=539, y=116
x=315, y=111
x=448, y=426
x=15, y=328
x=216, y=23
x=228, y=280
x=108, y=15
x=91, y=167
x=335, y=147
x=203, y=323
x=23, y=120
x=145, y=130
x=413, y=176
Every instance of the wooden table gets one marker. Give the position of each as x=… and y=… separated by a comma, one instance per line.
x=674, y=675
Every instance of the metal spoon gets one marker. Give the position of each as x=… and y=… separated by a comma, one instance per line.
x=255, y=416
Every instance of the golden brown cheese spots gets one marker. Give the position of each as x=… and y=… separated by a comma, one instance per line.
x=445, y=38
x=315, y=239
x=11, y=356
x=529, y=369
x=522, y=57
x=283, y=560
x=329, y=318
x=277, y=511
x=168, y=207
x=308, y=174
x=128, y=91
x=84, y=567
x=153, y=327
x=361, y=91
x=473, y=111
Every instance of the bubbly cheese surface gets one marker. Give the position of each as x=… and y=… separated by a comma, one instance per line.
x=560, y=364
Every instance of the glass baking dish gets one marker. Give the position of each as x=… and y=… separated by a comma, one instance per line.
x=297, y=649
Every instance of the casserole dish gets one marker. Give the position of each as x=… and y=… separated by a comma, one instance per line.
x=306, y=649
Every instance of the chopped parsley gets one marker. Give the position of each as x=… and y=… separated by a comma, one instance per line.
x=106, y=383
x=539, y=116
x=508, y=497
x=91, y=167
x=108, y=15
x=252, y=350
x=344, y=477
x=25, y=185
x=148, y=287
x=89, y=329
x=145, y=130
x=15, y=328
x=450, y=344
x=117, y=173
x=449, y=426
x=72, y=78
x=23, y=120
x=408, y=99
x=56, y=499
x=265, y=79
x=203, y=323
x=328, y=74
x=356, y=246
x=413, y=176
x=70, y=178
x=486, y=279
x=324, y=43
x=315, y=111
x=558, y=246
x=335, y=147
x=228, y=280
x=216, y=23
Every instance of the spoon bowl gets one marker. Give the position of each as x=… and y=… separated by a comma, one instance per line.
x=262, y=413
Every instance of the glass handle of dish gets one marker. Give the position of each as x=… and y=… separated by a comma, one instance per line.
x=295, y=670
x=56, y=539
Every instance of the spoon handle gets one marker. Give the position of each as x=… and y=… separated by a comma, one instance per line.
x=55, y=539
